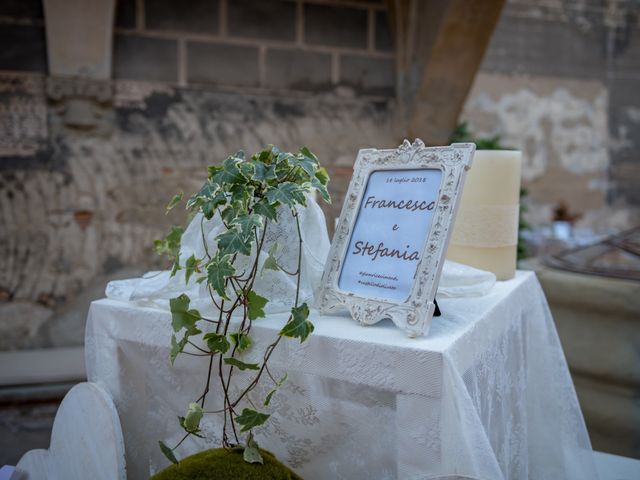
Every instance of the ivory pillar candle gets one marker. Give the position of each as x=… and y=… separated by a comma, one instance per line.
x=485, y=234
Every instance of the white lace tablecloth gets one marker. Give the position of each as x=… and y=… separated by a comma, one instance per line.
x=487, y=395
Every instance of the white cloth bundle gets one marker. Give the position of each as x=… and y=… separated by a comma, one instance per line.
x=156, y=288
x=458, y=280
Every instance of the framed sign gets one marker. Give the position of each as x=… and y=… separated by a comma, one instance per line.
x=389, y=246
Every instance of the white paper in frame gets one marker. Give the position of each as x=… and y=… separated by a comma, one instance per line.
x=392, y=236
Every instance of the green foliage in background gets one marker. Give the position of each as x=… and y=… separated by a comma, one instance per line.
x=245, y=194
x=463, y=134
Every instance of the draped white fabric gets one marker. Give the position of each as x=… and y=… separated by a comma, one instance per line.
x=156, y=288
x=486, y=395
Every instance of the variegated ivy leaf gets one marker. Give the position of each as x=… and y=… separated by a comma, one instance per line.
x=240, y=364
x=241, y=340
x=170, y=245
x=269, y=396
x=190, y=266
x=206, y=192
x=309, y=154
x=287, y=193
x=263, y=172
x=177, y=347
x=241, y=193
x=319, y=181
x=217, y=342
x=247, y=222
x=193, y=417
x=176, y=265
x=174, y=201
x=167, y=452
x=251, y=452
x=210, y=205
x=308, y=164
x=230, y=172
x=219, y=270
x=234, y=241
x=182, y=316
x=231, y=211
x=298, y=325
x=266, y=209
x=271, y=263
x=250, y=418
x=255, y=305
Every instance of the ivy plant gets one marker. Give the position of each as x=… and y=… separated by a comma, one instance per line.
x=246, y=195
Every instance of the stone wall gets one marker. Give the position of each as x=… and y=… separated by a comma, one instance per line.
x=560, y=82
x=81, y=202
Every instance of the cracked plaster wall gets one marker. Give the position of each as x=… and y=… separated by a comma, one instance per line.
x=84, y=205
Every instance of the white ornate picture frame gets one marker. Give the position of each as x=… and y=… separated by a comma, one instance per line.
x=447, y=166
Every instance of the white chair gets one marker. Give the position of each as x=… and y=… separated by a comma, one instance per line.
x=86, y=441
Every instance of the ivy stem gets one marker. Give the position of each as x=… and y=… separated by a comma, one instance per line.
x=269, y=350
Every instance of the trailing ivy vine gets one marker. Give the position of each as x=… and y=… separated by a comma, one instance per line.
x=246, y=195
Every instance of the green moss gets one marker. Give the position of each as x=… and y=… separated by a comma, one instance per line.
x=221, y=464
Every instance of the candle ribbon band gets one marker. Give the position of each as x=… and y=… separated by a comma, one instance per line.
x=486, y=226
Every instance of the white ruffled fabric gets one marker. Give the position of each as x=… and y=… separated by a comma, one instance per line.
x=458, y=280
x=156, y=288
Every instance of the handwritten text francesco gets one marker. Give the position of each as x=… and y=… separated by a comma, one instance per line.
x=374, y=251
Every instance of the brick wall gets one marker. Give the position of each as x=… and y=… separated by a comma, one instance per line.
x=273, y=45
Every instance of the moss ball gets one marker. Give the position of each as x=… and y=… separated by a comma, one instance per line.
x=221, y=464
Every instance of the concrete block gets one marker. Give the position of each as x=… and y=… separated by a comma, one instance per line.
x=21, y=9
x=143, y=58
x=23, y=48
x=539, y=47
x=218, y=63
x=194, y=16
x=596, y=319
x=125, y=14
x=20, y=323
x=384, y=38
x=80, y=37
x=298, y=70
x=367, y=74
x=273, y=20
x=335, y=26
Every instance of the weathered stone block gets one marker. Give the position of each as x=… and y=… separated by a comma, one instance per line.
x=273, y=20
x=193, y=16
x=553, y=48
x=144, y=58
x=218, y=63
x=20, y=322
x=125, y=14
x=367, y=74
x=335, y=26
x=23, y=48
x=298, y=70
x=384, y=39
x=597, y=322
x=21, y=9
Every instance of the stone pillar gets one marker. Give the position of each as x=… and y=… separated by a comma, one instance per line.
x=79, y=46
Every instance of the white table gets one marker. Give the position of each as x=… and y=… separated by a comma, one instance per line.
x=487, y=395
